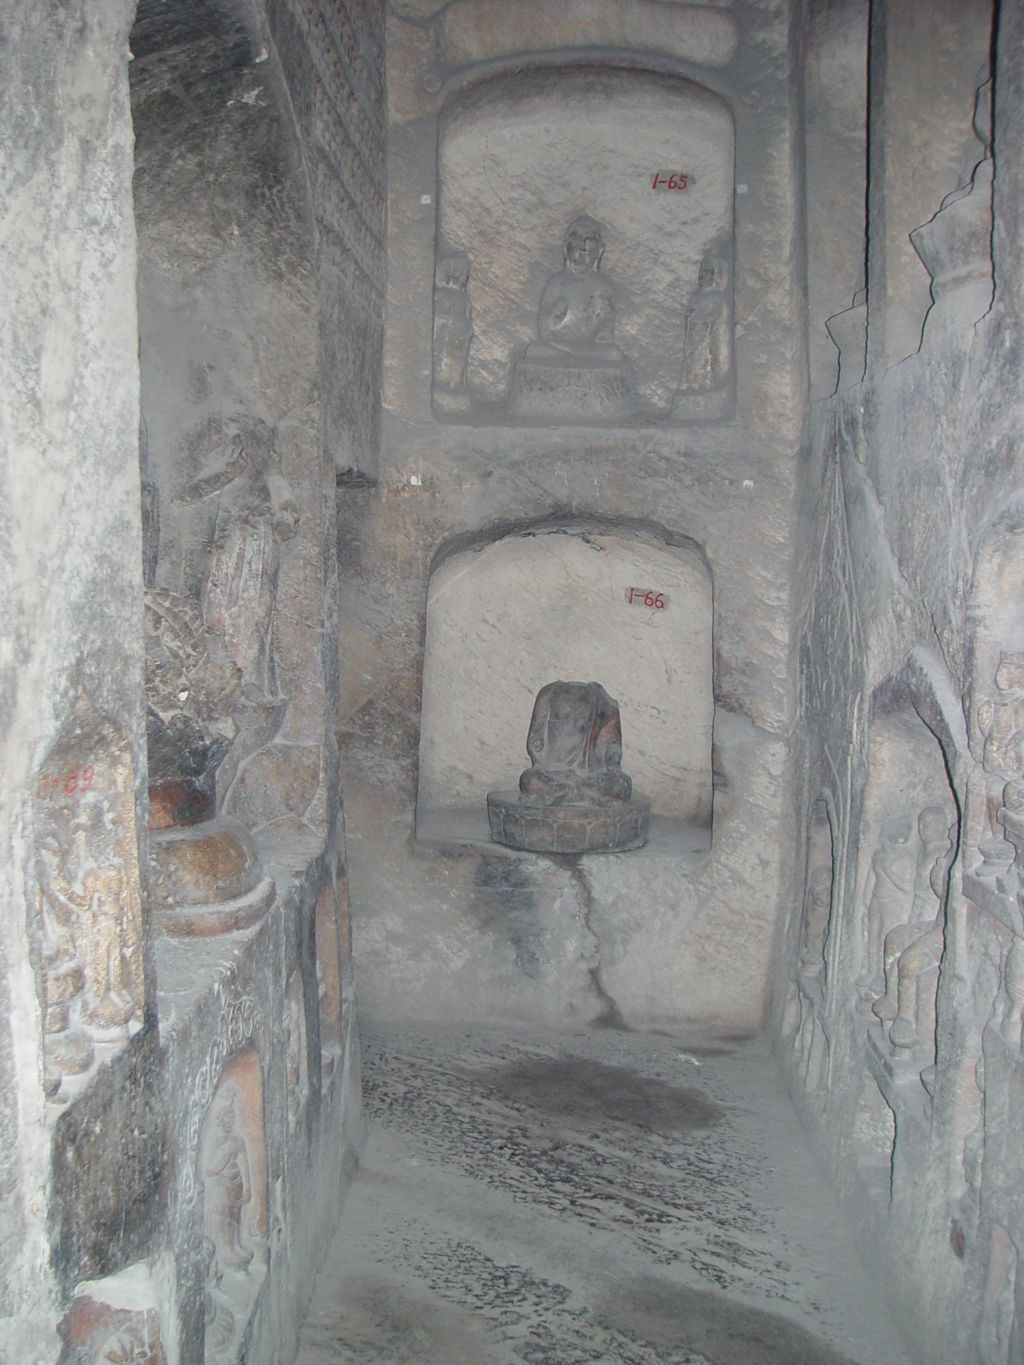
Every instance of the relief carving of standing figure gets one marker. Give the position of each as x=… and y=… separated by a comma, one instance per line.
x=453, y=331
x=228, y=1186
x=1001, y=722
x=707, y=358
x=912, y=951
x=255, y=512
x=87, y=893
x=889, y=892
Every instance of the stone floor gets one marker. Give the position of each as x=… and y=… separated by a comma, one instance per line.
x=590, y=1196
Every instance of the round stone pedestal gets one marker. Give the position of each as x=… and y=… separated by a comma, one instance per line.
x=207, y=878
x=568, y=829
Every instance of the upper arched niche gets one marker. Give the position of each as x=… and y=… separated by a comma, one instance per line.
x=521, y=157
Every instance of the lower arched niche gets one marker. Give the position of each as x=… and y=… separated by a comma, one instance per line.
x=577, y=603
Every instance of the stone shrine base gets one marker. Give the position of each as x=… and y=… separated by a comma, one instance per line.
x=568, y=829
x=550, y=387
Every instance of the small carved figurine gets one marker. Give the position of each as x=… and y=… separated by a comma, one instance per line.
x=707, y=353
x=913, y=951
x=86, y=884
x=453, y=331
x=1001, y=722
x=228, y=1185
x=890, y=888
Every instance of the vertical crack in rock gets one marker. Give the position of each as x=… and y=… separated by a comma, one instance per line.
x=611, y=1015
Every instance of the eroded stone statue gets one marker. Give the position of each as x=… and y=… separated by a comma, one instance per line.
x=88, y=901
x=1001, y=722
x=255, y=512
x=575, y=371
x=913, y=951
x=708, y=352
x=205, y=872
x=889, y=892
x=574, y=797
x=453, y=332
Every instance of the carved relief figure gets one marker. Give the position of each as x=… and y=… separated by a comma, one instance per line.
x=453, y=331
x=1001, y=722
x=88, y=884
x=575, y=796
x=68, y=1050
x=575, y=369
x=88, y=908
x=255, y=512
x=232, y=1177
x=227, y=1184
x=890, y=888
x=708, y=351
x=913, y=951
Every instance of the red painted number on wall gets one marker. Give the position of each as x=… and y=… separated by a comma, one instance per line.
x=670, y=180
x=77, y=780
x=646, y=597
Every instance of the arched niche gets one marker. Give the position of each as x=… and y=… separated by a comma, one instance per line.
x=520, y=157
x=908, y=838
x=554, y=602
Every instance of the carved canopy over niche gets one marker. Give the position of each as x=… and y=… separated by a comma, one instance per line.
x=521, y=159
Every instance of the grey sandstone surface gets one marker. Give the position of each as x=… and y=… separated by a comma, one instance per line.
x=366, y=366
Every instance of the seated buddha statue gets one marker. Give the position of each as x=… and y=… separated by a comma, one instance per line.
x=575, y=371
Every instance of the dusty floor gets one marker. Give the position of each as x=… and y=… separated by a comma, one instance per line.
x=587, y=1197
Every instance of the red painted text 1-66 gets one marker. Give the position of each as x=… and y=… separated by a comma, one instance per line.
x=646, y=597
